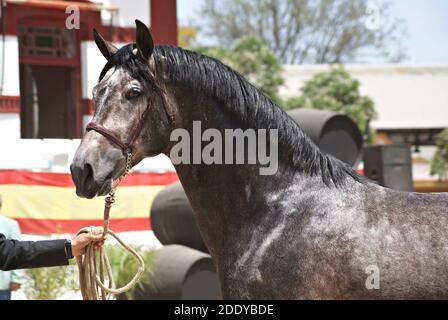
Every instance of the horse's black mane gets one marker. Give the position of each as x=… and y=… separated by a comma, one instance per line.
x=211, y=77
x=124, y=57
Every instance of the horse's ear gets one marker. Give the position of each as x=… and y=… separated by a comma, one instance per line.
x=145, y=44
x=106, y=48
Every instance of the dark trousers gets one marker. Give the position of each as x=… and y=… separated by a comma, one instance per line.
x=5, y=294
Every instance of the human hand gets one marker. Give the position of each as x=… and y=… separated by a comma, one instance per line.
x=14, y=286
x=81, y=241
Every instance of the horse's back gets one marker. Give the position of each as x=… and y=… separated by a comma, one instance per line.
x=404, y=236
x=330, y=243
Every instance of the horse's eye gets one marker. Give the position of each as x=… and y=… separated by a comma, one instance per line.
x=134, y=93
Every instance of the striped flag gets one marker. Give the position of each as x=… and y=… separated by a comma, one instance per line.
x=46, y=203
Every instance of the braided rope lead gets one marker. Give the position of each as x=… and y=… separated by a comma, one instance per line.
x=92, y=286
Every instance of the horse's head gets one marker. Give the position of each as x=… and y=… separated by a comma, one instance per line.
x=129, y=117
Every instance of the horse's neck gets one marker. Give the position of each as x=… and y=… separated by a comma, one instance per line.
x=223, y=196
x=226, y=198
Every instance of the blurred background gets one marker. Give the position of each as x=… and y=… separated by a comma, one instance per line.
x=366, y=79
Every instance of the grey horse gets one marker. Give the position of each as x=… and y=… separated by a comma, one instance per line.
x=313, y=230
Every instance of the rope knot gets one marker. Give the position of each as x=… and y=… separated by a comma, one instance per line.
x=109, y=201
x=96, y=231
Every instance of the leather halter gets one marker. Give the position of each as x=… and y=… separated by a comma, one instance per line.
x=127, y=147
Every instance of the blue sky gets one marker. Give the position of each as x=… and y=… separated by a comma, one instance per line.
x=426, y=22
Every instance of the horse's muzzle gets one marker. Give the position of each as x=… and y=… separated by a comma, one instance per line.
x=87, y=186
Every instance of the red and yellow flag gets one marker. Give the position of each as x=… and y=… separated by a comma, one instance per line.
x=46, y=203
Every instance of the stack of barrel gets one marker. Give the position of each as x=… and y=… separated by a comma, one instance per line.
x=183, y=269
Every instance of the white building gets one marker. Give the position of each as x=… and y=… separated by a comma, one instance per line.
x=48, y=69
x=406, y=97
x=49, y=62
x=411, y=102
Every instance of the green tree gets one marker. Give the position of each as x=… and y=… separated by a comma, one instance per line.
x=254, y=59
x=186, y=36
x=439, y=164
x=336, y=91
x=309, y=31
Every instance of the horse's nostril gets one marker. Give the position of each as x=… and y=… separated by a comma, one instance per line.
x=87, y=173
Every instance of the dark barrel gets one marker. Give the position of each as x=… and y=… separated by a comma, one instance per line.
x=334, y=133
x=172, y=219
x=181, y=273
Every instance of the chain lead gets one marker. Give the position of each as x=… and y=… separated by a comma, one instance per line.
x=128, y=164
x=110, y=199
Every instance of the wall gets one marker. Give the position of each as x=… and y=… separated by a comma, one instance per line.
x=10, y=125
x=11, y=82
x=140, y=9
x=405, y=96
x=92, y=62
